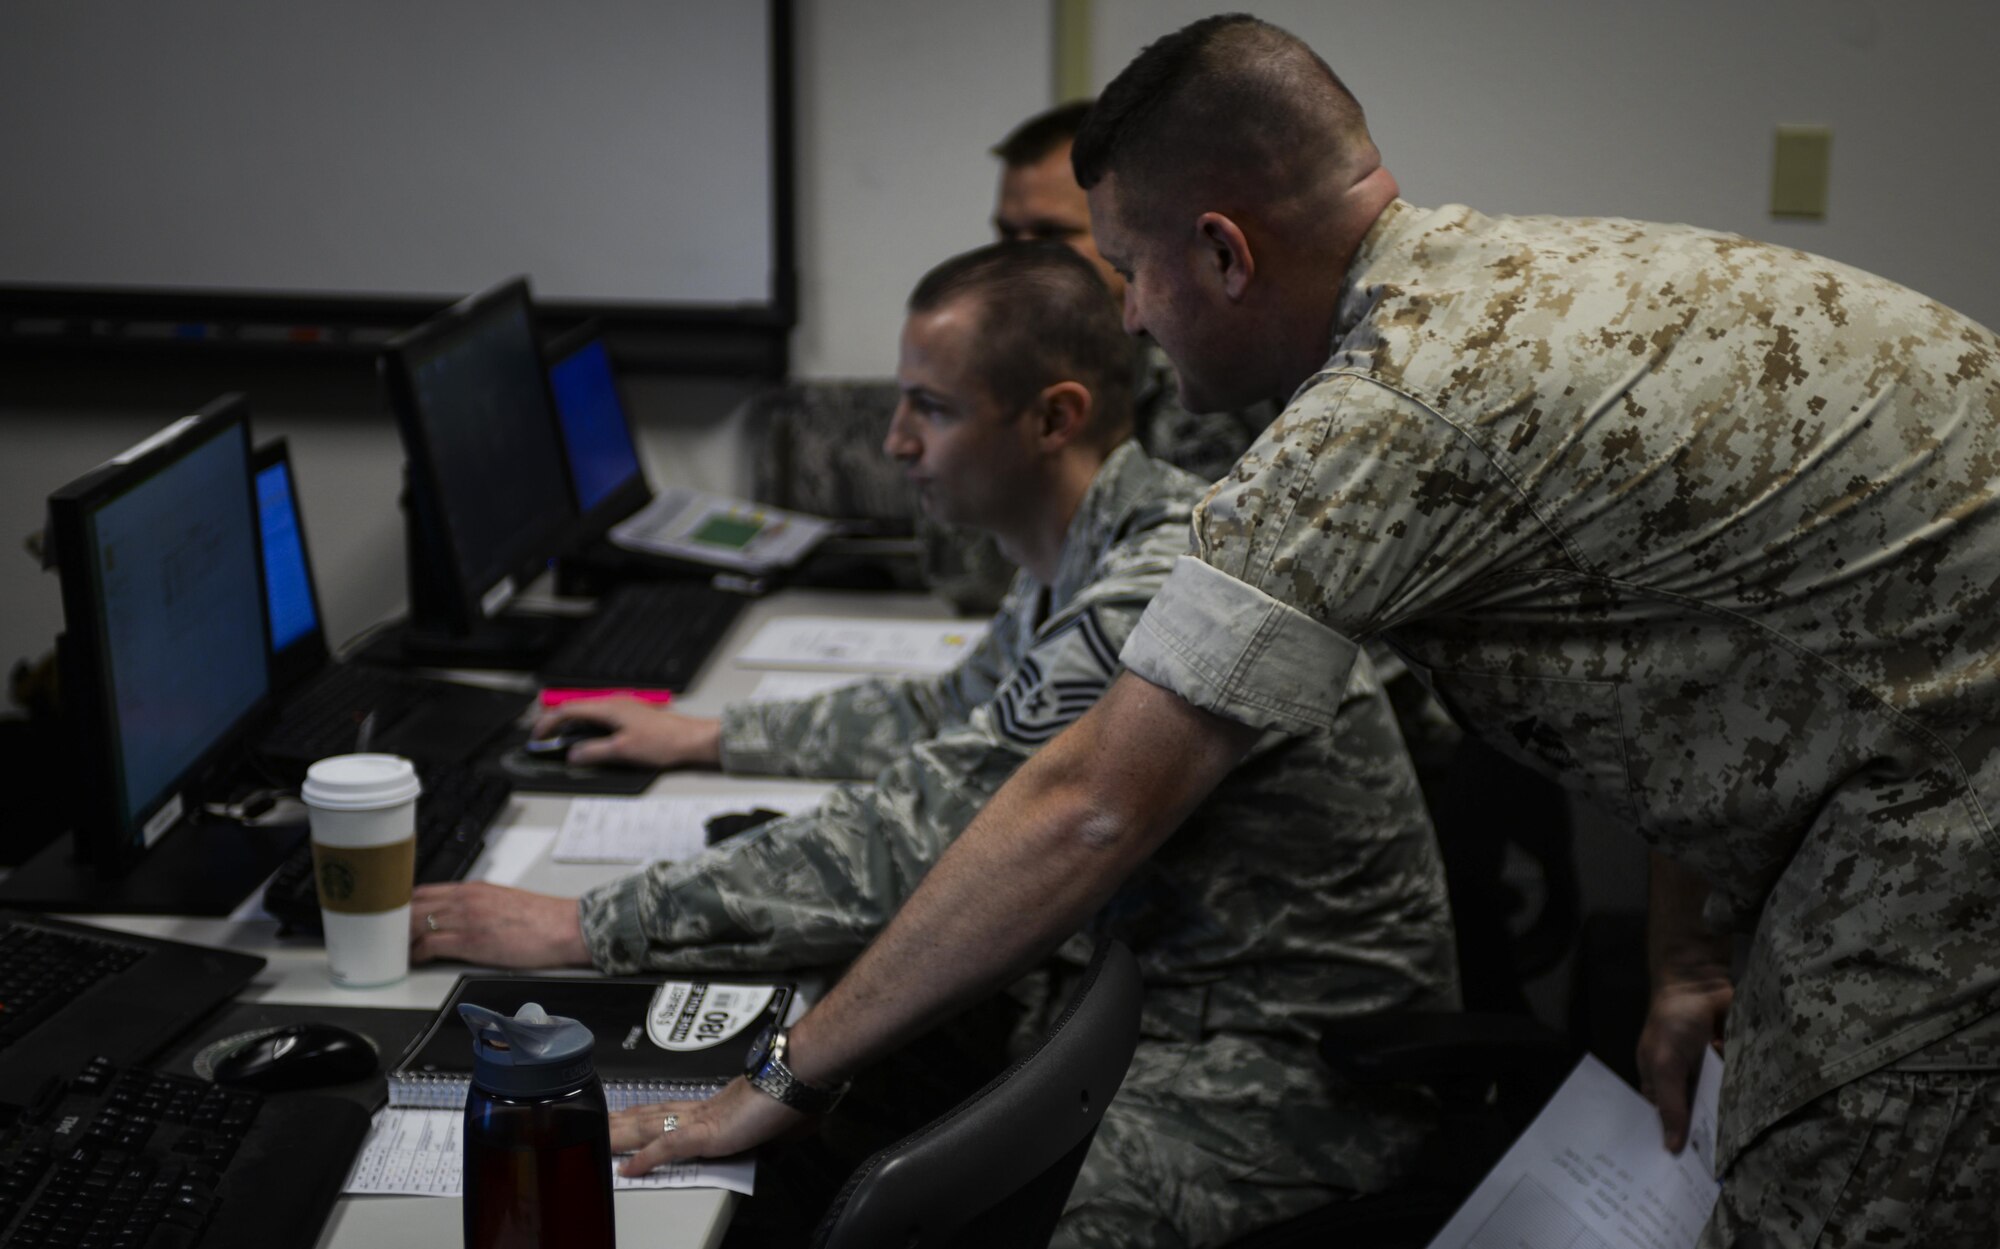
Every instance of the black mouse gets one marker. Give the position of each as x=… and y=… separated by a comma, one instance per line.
x=568, y=734
x=298, y=1056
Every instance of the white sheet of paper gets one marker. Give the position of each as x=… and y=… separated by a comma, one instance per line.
x=861, y=644
x=421, y=1153
x=512, y=854
x=778, y=687
x=1590, y=1173
x=649, y=830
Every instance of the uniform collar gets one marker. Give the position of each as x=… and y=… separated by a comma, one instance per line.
x=1392, y=233
x=1127, y=479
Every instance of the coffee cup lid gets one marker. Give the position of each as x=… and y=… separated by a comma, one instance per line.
x=360, y=783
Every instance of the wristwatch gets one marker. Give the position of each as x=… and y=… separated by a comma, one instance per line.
x=766, y=1070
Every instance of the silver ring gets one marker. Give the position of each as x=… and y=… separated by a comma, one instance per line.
x=672, y=1123
x=430, y=921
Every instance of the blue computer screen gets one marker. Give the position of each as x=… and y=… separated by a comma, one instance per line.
x=176, y=560
x=601, y=455
x=287, y=583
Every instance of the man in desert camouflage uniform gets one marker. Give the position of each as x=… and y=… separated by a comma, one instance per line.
x=1305, y=889
x=1705, y=529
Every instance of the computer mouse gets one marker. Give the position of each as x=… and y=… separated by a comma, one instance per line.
x=298, y=1056
x=568, y=734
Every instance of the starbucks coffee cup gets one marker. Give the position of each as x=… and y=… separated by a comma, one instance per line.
x=363, y=814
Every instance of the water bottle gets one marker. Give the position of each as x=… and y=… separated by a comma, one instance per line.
x=537, y=1135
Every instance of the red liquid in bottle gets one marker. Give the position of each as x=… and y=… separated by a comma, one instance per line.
x=538, y=1173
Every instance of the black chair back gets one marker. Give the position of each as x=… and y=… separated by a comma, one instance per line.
x=996, y=1169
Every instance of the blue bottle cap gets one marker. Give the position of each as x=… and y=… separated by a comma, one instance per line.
x=528, y=1054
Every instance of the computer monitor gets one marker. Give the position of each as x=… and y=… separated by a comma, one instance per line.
x=298, y=644
x=604, y=469
x=488, y=502
x=165, y=639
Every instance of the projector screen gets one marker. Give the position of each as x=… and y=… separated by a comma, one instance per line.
x=625, y=154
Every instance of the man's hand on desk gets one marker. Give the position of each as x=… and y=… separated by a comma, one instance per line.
x=494, y=925
x=641, y=733
x=738, y=1118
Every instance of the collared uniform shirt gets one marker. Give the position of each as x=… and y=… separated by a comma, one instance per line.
x=1701, y=527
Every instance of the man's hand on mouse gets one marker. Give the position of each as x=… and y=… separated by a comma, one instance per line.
x=641, y=733
x=476, y=922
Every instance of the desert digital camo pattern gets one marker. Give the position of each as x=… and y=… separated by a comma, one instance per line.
x=1701, y=527
x=1308, y=887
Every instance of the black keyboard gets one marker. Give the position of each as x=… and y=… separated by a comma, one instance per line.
x=652, y=635
x=324, y=717
x=42, y=970
x=127, y=1159
x=458, y=805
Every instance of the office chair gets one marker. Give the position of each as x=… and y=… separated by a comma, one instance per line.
x=1494, y=1066
x=820, y=452
x=996, y=1169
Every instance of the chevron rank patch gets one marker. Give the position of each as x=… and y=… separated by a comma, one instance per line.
x=1057, y=683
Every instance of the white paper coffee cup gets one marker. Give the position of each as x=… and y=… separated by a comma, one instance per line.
x=363, y=814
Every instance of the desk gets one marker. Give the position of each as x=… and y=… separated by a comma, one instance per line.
x=518, y=853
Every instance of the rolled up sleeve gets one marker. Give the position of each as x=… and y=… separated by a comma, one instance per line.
x=1228, y=647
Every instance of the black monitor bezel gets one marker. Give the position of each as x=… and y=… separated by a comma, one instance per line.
x=443, y=599
x=105, y=836
x=629, y=495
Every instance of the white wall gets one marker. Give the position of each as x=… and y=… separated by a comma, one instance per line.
x=898, y=102
x=1661, y=111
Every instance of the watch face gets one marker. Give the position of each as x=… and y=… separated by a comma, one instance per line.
x=760, y=1049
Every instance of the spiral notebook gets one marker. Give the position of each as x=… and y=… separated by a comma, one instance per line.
x=656, y=1040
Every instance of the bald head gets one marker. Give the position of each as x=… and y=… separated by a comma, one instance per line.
x=1230, y=112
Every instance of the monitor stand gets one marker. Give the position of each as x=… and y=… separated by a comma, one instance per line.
x=201, y=867
x=516, y=643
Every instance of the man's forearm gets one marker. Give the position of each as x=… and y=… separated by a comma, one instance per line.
x=1051, y=847
x=1679, y=944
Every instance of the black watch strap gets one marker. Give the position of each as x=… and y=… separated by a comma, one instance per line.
x=772, y=1076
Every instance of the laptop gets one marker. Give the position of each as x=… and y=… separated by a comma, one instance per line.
x=613, y=497
x=329, y=707
x=68, y=992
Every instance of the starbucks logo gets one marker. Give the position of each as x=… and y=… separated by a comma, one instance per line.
x=336, y=881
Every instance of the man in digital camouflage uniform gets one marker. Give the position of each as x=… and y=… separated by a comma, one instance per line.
x=1704, y=528
x=1305, y=888
x=1039, y=201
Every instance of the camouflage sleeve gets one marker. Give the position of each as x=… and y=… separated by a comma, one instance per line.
x=805, y=890
x=817, y=887
x=1357, y=509
x=854, y=732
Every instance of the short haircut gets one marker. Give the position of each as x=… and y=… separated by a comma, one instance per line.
x=1230, y=104
x=1044, y=316
x=1036, y=138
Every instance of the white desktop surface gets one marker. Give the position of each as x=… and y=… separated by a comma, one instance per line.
x=518, y=846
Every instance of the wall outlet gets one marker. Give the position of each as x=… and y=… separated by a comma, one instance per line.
x=1800, y=168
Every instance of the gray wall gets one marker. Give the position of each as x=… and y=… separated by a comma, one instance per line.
x=1662, y=111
